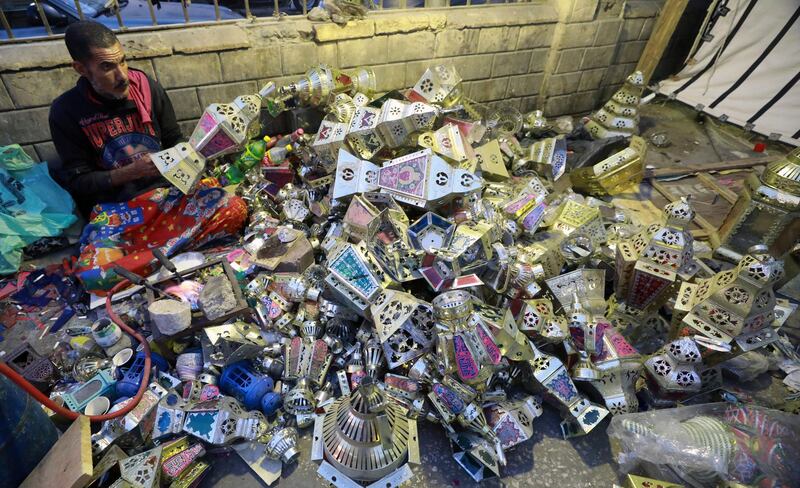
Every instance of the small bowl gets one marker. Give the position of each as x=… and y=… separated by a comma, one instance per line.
x=97, y=406
x=122, y=358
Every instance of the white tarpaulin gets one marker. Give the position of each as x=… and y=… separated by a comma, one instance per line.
x=746, y=68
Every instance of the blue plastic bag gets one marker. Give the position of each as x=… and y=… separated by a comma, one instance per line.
x=32, y=205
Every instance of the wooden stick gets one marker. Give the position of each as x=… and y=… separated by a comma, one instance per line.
x=662, y=33
x=68, y=464
x=690, y=168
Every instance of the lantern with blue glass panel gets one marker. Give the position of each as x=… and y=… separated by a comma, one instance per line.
x=431, y=232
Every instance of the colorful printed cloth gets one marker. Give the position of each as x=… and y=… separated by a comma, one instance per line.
x=124, y=233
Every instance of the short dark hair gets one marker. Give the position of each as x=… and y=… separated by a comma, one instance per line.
x=84, y=35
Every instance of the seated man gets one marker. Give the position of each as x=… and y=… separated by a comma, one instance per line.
x=104, y=130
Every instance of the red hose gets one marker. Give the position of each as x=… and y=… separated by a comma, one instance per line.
x=69, y=414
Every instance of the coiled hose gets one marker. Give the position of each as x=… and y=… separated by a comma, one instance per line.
x=69, y=414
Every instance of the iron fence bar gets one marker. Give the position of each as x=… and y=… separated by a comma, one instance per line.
x=150, y=8
x=216, y=10
x=79, y=9
x=6, y=25
x=118, y=13
x=185, y=11
x=43, y=17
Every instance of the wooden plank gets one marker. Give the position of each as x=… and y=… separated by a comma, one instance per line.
x=690, y=168
x=69, y=462
x=662, y=33
x=709, y=181
x=708, y=230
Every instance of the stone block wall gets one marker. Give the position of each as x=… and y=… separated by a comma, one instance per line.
x=565, y=56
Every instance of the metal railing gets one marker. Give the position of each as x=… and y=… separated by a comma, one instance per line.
x=21, y=25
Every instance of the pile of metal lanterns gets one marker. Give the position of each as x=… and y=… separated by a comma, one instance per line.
x=412, y=262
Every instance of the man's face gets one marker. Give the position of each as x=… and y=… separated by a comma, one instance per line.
x=107, y=71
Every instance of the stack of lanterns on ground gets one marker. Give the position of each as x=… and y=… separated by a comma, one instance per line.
x=412, y=262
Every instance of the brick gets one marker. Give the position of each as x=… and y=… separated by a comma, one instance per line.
x=598, y=57
x=513, y=63
x=24, y=126
x=538, y=60
x=647, y=29
x=47, y=151
x=488, y=90
x=583, y=10
x=192, y=70
x=496, y=39
x=144, y=45
x=524, y=85
x=30, y=150
x=414, y=70
x=250, y=64
x=531, y=36
x=529, y=104
x=409, y=47
x=522, y=14
x=591, y=79
x=618, y=72
x=353, y=30
x=561, y=84
x=610, y=9
x=579, y=35
x=630, y=52
x=5, y=99
x=393, y=24
x=569, y=60
x=456, y=42
x=631, y=29
x=185, y=103
x=224, y=93
x=298, y=58
x=38, y=88
x=556, y=106
x=584, y=101
x=187, y=126
x=363, y=52
x=476, y=67
x=608, y=91
x=38, y=55
x=607, y=32
x=390, y=77
x=207, y=39
x=642, y=8
x=328, y=53
x=145, y=65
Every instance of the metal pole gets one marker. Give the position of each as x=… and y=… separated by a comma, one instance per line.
x=185, y=11
x=276, y=9
x=150, y=8
x=118, y=13
x=216, y=10
x=43, y=17
x=380, y=4
x=305, y=8
x=80, y=9
x=6, y=25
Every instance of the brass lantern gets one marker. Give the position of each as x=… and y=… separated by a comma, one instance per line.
x=653, y=261
x=768, y=211
x=620, y=115
x=614, y=174
x=738, y=304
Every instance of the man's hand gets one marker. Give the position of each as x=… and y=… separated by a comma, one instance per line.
x=143, y=167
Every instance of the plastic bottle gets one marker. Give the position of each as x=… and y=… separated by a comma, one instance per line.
x=276, y=155
x=250, y=157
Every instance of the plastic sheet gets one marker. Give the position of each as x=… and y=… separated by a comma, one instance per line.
x=704, y=444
